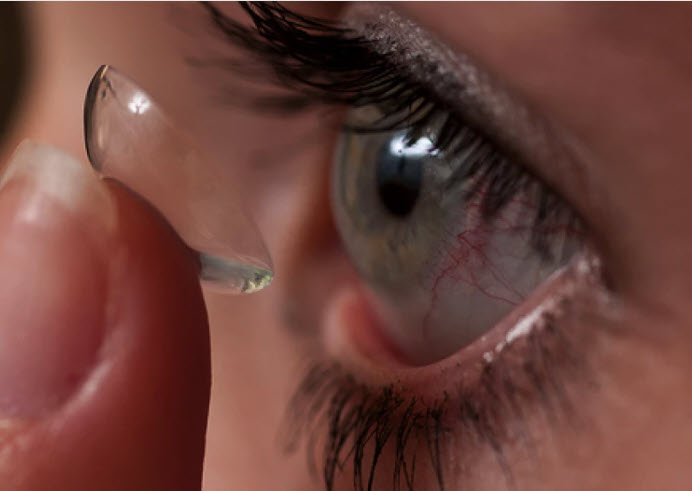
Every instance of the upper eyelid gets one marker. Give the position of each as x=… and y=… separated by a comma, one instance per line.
x=540, y=145
x=452, y=81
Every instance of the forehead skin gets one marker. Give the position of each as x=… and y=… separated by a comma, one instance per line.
x=618, y=78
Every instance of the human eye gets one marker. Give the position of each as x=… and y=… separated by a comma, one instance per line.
x=448, y=231
x=475, y=271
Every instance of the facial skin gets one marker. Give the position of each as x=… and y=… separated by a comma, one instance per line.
x=614, y=78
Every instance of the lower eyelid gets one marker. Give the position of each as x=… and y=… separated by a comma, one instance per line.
x=465, y=404
x=354, y=334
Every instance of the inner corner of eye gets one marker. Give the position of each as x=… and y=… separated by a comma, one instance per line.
x=441, y=273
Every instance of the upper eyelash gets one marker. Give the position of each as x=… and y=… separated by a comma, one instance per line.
x=324, y=63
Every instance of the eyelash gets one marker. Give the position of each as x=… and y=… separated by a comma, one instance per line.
x=330, y=402
x=339, y=68
x=325, y=64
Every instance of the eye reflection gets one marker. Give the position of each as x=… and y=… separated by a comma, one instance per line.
x=421, y=147
x=442, y=272
x=399, y=173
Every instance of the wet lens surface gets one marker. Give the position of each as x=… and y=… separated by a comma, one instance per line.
x=130, y=139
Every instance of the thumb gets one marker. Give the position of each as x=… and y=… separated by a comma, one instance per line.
x=104, y=348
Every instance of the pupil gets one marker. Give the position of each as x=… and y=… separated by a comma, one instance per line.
x=399, y=174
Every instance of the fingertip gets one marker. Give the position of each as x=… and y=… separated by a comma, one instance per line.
x=137, y=419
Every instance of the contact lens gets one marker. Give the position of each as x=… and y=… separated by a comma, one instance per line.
x=130, y=139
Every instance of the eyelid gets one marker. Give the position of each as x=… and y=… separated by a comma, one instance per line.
x=540, y=145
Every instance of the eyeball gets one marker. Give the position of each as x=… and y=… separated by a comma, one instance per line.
x=442, y=272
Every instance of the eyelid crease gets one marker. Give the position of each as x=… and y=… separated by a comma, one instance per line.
x=334, y=64
x=373, y=54
x=541, y=146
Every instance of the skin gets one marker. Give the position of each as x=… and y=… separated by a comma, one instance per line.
x=614, y=77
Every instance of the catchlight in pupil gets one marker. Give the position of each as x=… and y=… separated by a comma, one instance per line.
x=399, y=173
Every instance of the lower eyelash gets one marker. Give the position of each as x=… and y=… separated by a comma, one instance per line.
x=344, y=423
x=356, y=416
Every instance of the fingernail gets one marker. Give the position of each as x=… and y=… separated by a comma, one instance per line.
x=55, y=220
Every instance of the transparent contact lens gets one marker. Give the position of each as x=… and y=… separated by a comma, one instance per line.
x=130, y=139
